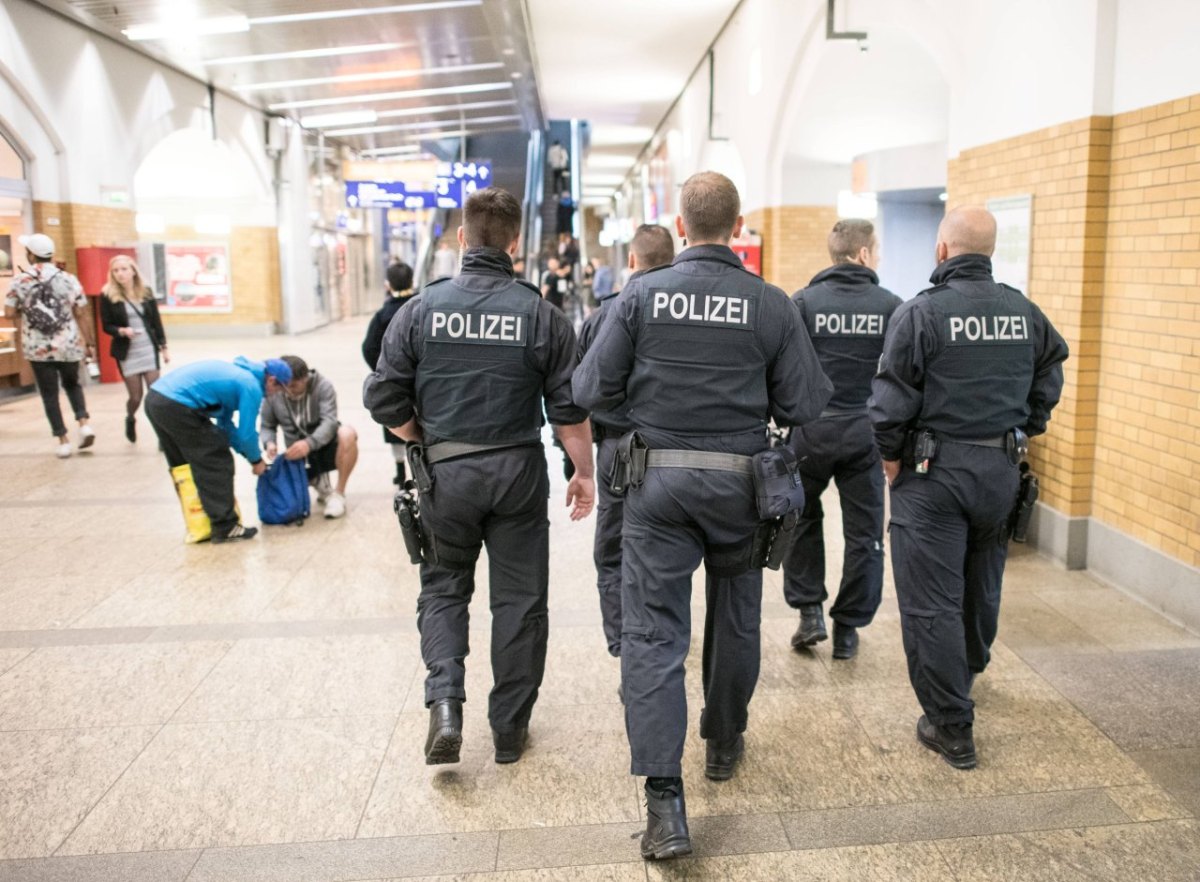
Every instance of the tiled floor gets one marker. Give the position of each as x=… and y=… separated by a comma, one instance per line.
x=254, y=712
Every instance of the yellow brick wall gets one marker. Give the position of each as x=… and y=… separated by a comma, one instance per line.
x=794, y=242
x=1065, y=168
x=1147, y=483
x=254, y=267
x=80, y=226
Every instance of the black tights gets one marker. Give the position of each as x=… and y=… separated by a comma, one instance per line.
x=133, y=385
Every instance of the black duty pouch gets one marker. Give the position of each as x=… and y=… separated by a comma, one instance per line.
x=1016, y=445
x=777, y=487
x=920, y=450
x=422, y=476
x=629, y=465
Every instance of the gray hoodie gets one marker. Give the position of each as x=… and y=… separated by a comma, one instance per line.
x=313, y=416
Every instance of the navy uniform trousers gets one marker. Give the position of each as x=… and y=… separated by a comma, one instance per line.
x=949, y=544
x=841, y=448
x=606, y=552
x=496, y=499
x=678, y=519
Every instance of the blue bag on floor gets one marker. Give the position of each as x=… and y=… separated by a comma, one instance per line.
x=283, y=492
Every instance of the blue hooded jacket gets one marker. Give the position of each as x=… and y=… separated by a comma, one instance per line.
x=220, y=390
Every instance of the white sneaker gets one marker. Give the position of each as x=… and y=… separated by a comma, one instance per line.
x=335, y=505
x=64, y=450
x=87, y=437
x=321, y=484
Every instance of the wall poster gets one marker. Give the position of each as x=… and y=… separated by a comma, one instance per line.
x=1014, y=230
x=198, y=279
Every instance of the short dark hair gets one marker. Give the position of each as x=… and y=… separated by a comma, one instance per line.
x=710, y=205
x=848, y=237
x=652, y=246
x=400, y=277
x=491, y=218
x=298, y=365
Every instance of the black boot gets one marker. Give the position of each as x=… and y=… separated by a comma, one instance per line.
x=721, y=757
x=812, y=626
x=445, y=732
x=510, y=745
x=131, y=429
x=666, y=833
x=953, y=741
x=845, y=641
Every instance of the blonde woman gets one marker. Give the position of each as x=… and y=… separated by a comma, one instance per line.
x=129, y=314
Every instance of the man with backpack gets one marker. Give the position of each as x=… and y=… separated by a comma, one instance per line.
x=56, y=333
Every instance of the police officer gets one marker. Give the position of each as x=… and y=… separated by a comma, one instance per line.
x=967, y=361
x=464, y=371
x=846, y=313
x=703, y=353
x=652, y=246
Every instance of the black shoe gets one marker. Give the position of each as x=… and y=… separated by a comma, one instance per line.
x=445, y=732
x=131, y=429
x=953, y=742
x=845, y=641
x=666, y=833
x=510, y=745
x=722, y=756
x=235, y=534
x=812, y=626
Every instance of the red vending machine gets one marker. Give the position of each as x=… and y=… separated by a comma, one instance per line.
x=93, y=275
x=748, y=247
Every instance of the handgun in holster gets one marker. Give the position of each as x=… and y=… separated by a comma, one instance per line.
x=773, y=540
x=408, y=513
x=1027, y=494
x=629, y=465
x=922, y=448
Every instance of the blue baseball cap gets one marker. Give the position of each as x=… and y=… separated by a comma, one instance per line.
x=279, y=369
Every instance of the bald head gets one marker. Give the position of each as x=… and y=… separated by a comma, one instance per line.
x=970, y=229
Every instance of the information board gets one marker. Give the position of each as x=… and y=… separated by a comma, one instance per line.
x=450, y=188
x=1014, y=231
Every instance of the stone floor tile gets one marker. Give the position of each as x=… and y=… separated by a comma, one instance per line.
x=1167, y=851
x=1176, y=771
x=1116, y=620
x=906, y=862
x=64, y=687
x=307, y=677
x=146, y=866
x=213, y=784
x=1147, y=802
x=49, y=781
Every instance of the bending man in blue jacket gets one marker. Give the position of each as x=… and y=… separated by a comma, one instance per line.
x=192, y=410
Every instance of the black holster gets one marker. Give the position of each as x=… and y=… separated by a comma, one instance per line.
x=422, y=477
x=773, y=540
x=1027, y=494
x=419, y=546
x=629, y=465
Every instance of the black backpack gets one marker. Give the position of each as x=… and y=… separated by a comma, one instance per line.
x=44, y=311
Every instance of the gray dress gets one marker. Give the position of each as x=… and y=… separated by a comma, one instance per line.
x=141, y=357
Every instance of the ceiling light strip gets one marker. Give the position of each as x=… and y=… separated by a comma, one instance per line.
x=360, y=11
x=408, y=127
x=304, y=53
x=392, y=96
x=368, y=77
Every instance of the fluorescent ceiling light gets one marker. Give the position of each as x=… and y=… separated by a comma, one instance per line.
x=604, y=135
x=392, y=96
x=191, y=27
x=403, y=148
x=408, y=127
x=344, y=118
x=610, y=160
x=304, y=53
x=359, y=11
x=445, y=108
x=367, y=77
x=434, y=136
x=594, y=179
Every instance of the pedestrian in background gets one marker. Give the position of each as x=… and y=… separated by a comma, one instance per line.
x=129, y=314
x=399, y=292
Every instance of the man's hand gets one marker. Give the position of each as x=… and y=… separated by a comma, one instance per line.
x=259, y=467
x=166, y=355
x=891, y=470
x=581, y=493
x=299, y=450
x=272, y=450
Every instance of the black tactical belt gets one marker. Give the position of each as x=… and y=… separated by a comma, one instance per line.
x=444, y=450
x=837, y=413
x=997, y=442
x=699, y=459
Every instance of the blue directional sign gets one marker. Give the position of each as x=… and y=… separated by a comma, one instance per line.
x=455, y=182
